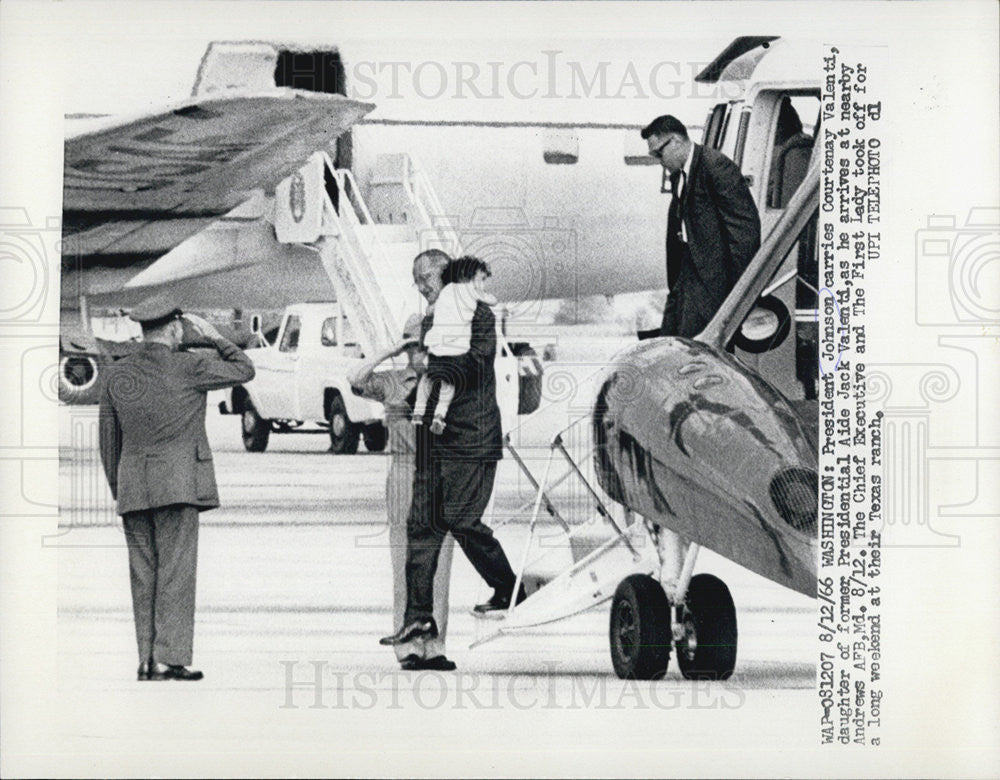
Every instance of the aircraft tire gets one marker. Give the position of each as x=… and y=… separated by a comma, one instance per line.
x=708, y=649
x=640, y=629
x=256, y=430
x=344, y=435
x=376, y=437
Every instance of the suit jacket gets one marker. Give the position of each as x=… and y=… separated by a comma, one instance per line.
x=473, y=429
x=152, y=424
x=723, y=234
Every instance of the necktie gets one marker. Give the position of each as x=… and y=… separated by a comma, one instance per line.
x=675, y=240
x=677, y=182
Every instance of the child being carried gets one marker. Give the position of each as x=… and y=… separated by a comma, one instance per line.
x=450, y=335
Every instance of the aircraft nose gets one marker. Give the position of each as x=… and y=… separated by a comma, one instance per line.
x=692, y=440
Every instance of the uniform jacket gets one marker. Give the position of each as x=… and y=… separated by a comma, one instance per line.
x=473, y=429
x=723, y=234
x=152, y=424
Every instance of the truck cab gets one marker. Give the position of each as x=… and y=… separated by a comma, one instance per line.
x=301, y=383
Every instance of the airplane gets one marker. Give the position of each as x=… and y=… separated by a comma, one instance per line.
x=727, y=444
x=528, y=207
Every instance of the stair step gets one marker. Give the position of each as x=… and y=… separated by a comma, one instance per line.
x=391, y=234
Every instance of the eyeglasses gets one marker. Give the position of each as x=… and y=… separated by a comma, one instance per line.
x=658, y=152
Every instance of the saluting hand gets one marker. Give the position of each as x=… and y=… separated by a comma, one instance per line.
x=401, y=346
x=203, y=327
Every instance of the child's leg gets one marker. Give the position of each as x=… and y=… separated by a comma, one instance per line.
x=446, y=393
x=424, y=387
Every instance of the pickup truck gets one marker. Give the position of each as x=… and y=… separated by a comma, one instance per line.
x=301, y=383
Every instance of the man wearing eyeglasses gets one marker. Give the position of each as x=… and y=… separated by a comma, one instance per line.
x=713, y=227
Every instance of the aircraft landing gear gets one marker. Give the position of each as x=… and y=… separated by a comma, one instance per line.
x=640, y=629
x=698, y=618
x=705, y=630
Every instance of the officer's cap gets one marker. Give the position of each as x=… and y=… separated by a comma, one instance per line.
x=155, y=311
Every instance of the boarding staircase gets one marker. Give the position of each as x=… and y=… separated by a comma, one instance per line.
x=366, y=246
x=580, y=543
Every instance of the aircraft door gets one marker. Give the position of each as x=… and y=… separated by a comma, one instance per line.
x=777, y=147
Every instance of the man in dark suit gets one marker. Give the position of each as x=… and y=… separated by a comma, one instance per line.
x=159, y=467
x=713, y=227
x=455, y=472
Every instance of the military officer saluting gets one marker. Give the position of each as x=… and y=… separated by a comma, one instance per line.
x=159, y=466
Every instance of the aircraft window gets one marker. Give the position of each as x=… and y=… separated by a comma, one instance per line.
x=290, y=338
x=741, y=138
x=724, y=132
x=560, y=147
x=793, y=143
x=328, y=333
x=713, y=126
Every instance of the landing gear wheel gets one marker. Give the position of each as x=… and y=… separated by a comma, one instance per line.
x=256, y=430
x=640, y=629
x=707, y=649
x=344, y=434
x=376, y=437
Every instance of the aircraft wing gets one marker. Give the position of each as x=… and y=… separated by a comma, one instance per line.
x=138, y=186
x=234, y=262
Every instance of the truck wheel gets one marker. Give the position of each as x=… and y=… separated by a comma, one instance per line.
x=707, y=650
x=376, y=437
x=256, y=430
x=640, y=629
x=344, y=434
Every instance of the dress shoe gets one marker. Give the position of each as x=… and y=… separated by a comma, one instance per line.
x=143, y=674
x=415, y=629
x=159, y=671
x=439, y=663
x=410, y=663
x=500, y=601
